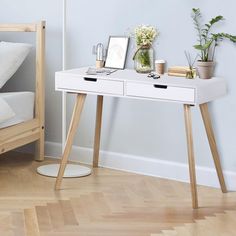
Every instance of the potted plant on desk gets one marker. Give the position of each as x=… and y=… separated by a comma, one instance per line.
x=207, y=43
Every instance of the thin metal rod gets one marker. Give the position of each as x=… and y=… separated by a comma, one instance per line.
x=64, y=36
x=63, y=68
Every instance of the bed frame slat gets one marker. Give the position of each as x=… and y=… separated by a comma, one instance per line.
x=15, y=130
x=18, y=27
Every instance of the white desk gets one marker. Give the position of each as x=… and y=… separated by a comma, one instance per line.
x=129, y=84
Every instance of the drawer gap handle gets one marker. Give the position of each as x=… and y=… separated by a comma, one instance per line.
x=160, y=86
x=90, y=79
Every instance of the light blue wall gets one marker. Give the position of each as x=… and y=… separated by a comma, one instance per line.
x=147, y=129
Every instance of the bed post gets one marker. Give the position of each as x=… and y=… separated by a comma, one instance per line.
x=40, y=89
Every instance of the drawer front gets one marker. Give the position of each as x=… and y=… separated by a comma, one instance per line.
x=88, y=84
x=160, y=92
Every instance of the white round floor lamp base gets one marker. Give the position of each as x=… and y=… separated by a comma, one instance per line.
x=71, y=171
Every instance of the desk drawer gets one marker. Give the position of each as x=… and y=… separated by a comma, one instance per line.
x=88, y=84
x=158, y=91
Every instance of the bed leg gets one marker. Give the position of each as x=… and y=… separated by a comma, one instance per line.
x=39, y=147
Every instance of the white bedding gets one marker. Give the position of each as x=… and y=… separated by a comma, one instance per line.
x=12, y=56
x=6, y=112
x=22, y=104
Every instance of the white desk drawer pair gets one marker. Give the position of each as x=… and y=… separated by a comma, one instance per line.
x=125, y=88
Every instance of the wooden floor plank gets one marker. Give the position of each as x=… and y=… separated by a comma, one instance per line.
x=31, y=223
x=44, y=221
x=68, y=213
x=18, y=223
x=56, y=216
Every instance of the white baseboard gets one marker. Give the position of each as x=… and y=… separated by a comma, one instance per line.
x=146, y=166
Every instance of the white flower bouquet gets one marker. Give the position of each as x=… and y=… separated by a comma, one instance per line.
x=145, y=35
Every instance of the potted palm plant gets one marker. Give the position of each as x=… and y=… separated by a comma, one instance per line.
x=207, y=43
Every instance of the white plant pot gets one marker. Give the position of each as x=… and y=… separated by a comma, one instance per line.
x=205, y=69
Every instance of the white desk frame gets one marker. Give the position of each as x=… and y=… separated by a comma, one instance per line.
x=129, y=84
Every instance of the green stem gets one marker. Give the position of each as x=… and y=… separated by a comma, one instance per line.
x=214, y=50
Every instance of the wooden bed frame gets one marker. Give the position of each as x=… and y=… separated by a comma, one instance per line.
x=21, y=134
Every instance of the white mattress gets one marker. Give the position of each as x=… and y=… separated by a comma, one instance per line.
x=22, y=103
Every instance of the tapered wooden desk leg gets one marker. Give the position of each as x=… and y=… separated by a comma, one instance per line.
x=211, y=138
x=191, y=161
x=97, y=136
x=70, y=137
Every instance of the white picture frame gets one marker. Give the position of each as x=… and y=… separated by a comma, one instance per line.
x=117, y=52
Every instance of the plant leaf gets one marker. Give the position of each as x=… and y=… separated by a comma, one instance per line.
x=198, y=47
x=216, y=19
x=207, y=44
x=221, y=36
x=196, y=10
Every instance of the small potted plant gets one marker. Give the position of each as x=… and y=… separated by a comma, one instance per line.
x=144, y=55
x=207, y=43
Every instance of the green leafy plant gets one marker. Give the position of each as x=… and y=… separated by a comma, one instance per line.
x=207, y=41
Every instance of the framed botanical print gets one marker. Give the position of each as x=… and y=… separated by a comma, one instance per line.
x=117, y=52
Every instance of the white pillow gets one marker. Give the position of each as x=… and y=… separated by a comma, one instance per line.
x=12, y=56
x=6, y=112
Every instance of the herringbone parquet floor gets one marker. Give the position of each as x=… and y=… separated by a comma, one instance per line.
x=107, y=203
x=221, y=224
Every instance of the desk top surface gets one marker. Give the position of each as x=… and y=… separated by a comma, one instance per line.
x=132, y=76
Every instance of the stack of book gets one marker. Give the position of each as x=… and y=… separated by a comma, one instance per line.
x=179, y=71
